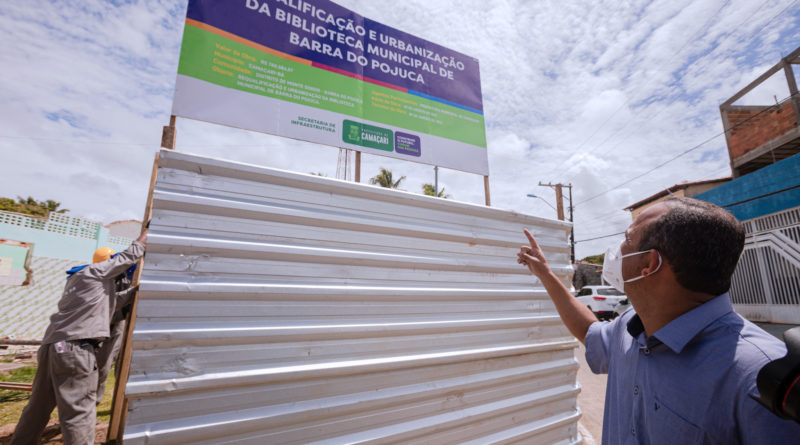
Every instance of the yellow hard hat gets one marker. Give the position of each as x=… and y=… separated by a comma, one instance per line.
x=102, y=254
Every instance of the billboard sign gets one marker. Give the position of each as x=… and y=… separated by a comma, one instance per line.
x=316, y=71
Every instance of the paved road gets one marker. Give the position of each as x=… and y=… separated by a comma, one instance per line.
x=591, y=400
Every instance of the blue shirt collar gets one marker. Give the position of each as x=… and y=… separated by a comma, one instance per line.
x=680, y=331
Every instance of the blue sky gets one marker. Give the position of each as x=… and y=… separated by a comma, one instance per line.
x=592, y=93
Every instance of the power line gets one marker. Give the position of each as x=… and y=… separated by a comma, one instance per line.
x=604, y=228
x=149, y=144
x=599, y=237
x=683, y=153
x=775, y=192
x=761, y=196
x=79, y=141
x=692, y=38
x=652, y=169
x=686, y=151
x=613, y=213
x=674, y=84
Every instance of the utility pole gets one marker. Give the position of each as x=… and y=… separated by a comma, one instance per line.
x=560, y=212
x=559, y=202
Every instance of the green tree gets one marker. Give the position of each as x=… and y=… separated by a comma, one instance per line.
x=30, y=206
x=429, y=190
x=53, y=206
x=385, y=179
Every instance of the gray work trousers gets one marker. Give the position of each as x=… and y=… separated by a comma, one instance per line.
x=68, y=380
x=107, y=355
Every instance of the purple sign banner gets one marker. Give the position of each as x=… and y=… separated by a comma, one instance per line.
x=313, y=70
x=329, y=34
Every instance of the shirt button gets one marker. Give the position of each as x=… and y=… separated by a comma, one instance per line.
x=646, y=351
x=633, y=431
x=635, y=390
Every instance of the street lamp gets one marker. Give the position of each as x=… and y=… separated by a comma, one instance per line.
x=560, y=213
x=531, y=195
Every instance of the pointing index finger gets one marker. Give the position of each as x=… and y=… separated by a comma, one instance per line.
x=533, y=242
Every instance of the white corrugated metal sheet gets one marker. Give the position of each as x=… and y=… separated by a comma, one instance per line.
x=283, y=308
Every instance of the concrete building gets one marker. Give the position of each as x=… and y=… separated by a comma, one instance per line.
x=687, y=189
x=764, y=193
x=761, y=135
x=764, y=145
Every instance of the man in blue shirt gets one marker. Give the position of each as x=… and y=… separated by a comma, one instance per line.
x=681, y=364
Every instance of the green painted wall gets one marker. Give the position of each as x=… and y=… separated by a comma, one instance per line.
x=51, y=244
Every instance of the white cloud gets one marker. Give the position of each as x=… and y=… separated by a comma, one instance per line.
x=591, y=93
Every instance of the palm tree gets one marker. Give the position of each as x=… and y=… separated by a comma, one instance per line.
x=30, y=206
x=384, y=179
x=53, y=206
x=429, y=190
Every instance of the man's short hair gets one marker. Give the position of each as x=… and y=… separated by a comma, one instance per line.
x=700, y=241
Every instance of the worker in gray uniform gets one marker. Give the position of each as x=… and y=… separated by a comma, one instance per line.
x=67, y=374
x=109, y=349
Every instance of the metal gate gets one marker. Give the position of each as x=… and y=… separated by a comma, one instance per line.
x=284, y=308
x=766, y=284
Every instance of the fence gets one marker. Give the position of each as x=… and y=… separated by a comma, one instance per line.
x=25, y=310
x=283, y=308
x=60, y=236
x=58, y=243
x=766, y=284
x=56, y=223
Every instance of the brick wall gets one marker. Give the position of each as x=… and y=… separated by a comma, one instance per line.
x=746, y=135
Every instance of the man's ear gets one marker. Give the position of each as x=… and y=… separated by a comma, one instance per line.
x=653, y=264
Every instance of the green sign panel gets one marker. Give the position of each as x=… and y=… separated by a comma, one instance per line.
x=367, y=135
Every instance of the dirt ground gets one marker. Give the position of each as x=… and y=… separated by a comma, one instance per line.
x=13, y=402
x=52, y=434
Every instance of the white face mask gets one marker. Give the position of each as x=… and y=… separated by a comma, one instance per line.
x=612, y=267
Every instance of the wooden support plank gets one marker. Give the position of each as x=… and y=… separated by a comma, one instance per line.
x=168, y=134
x=358, y=166
x=119, y=403
x=16, y=386
x=559, y=202
x=486, y=191
x=23, y=342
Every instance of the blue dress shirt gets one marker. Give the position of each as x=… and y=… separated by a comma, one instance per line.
x=690, y=382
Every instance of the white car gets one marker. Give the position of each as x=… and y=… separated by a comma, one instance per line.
x=605, y=301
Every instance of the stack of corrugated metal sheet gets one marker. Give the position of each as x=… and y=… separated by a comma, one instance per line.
x=281, y=308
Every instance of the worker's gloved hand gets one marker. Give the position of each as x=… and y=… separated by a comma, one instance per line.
x=143, y=237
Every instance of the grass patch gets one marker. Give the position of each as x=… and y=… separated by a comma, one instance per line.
x=12, y=402
x=104, y=409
